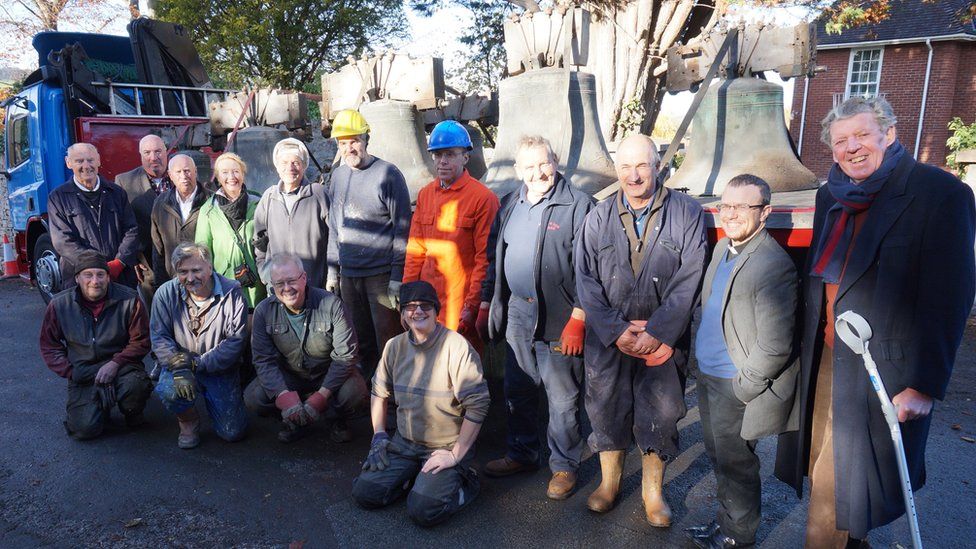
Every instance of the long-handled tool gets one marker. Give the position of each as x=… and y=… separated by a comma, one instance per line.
x=855, y=332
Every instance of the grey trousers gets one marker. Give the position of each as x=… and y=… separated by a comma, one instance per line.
x=530, y=363
x=734, y=459
x=85, y=419
x=374, y=317
x=433, y=498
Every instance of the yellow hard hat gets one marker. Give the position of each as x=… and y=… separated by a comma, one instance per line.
x=348, y=123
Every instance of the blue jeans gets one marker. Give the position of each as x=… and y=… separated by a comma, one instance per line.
x=530, y=363
x=222, y=395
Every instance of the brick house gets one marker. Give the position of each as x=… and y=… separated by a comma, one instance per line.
x=922, y=58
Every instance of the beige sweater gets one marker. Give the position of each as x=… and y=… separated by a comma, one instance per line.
x=436, y=385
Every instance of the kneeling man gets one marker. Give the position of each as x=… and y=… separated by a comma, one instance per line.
x=435, y=377
x=306, y=355
x=199, y=326
x=95, y=335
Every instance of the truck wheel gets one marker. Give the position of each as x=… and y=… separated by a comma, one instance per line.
x=46, y=268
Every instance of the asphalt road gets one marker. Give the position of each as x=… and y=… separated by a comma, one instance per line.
x=137, y=489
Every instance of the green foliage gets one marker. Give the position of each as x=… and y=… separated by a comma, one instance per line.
x=283, y=43
x=963, y=137
x=484, y=64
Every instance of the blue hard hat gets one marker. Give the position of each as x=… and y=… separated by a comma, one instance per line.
x=447, y=135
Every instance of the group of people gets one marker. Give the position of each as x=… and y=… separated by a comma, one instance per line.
x=317, y=289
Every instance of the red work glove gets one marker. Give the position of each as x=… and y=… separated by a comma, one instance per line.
x=571, y=339
x=315, y=405
x=659, y=356
x=291, y=408
x=468, y=320
x=115, y=268
x=482, y=323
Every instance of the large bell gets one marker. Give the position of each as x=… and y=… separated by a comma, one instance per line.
x=255, y=144
x=204, y=166
x=396, y=134
x=739, y=129
x=559, y=105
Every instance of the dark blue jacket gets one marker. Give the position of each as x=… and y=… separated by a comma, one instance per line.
x=555, y=277
x=76, y=228
x=911, y=275
x=666, y=288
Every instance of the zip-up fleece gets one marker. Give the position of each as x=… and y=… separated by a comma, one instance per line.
x=303, y=232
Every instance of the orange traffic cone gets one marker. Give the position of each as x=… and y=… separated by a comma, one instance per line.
x=11, y=267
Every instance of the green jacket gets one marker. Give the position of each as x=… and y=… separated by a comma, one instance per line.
x=215, y=232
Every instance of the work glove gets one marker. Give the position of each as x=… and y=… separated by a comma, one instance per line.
x=332, y=283
x=659, y=356
x=184, y=384
x=377, y=459
x=183, y=364
x=105, y=396
x=571, y=340
x=292, y=410
x=115, y=268
x=393, y=291
x=481, y=324
x=315, y=406
x=468, y=319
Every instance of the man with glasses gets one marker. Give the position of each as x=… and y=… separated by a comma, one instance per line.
x=198, y=328
x=746, y=360
x=95, y=336
x=306, y=355
x=448, y=244
x=435, y=377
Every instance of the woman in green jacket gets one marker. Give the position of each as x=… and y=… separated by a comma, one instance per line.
x=225, y=225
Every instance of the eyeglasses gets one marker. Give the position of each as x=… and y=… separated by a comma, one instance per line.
x=738, y=208
x=282, y=284
x=412, y=307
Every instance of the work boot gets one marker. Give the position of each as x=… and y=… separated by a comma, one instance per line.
x=611, y=472
x=505, y=466
x=189, y=429
x=340, y=432
x=135, y=420
x=290, y=433
x=561, y=485
x=652, y=491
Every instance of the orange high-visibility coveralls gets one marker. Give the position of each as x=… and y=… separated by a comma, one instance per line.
x=448, y=245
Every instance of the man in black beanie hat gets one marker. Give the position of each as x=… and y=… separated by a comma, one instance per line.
x=95, y=335
x=435, y=377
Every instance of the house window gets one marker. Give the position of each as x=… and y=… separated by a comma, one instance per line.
x=864, y=73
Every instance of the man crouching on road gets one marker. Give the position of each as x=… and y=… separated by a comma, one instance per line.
x=435, y=377
x=199, y=326
x=306, y=355
x=95, y=336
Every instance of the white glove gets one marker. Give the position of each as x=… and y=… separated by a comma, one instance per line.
x=393, y=291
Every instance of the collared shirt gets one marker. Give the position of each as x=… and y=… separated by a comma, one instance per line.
x=640, y=217
x=84, y=189
x=521, y=238
x=159, y=185
x=186, y=206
